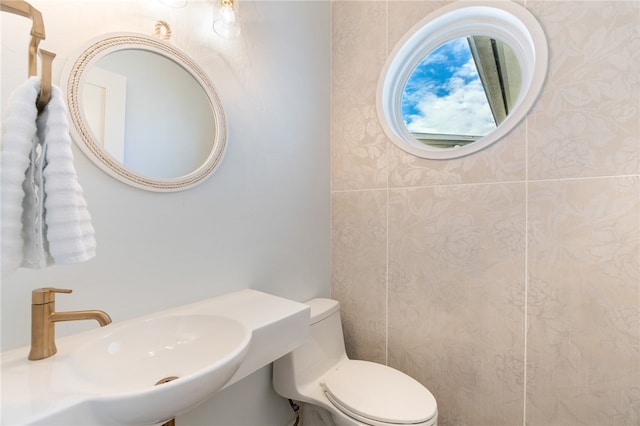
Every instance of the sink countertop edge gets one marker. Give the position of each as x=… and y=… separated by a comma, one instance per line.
x=262, y=314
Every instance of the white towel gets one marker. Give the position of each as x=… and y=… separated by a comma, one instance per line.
x=35, y=254
x=70, y=234
x=18, y=137
x=45, y=218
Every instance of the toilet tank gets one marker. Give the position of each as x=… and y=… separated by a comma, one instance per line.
x=323, y=350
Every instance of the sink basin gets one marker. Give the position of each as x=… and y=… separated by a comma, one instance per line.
x=139, y=355
x=108, y=375
x=144, y=364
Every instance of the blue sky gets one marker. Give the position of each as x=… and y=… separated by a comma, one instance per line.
x=444, y=94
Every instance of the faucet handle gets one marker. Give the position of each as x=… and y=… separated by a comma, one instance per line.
x=40, y=296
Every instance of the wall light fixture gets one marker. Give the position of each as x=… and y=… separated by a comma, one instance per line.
x=226, y=23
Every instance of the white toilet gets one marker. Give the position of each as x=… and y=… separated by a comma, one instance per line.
x=356, y=393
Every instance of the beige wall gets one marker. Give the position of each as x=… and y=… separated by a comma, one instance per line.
x=508, y=282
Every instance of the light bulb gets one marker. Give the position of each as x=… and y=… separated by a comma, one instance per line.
x=227, y=15
x=226, y=26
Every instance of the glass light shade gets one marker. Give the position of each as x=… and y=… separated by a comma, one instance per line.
x=226, y=26
x=227, y=14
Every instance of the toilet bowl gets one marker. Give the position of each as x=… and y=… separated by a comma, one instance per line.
x=355, y=392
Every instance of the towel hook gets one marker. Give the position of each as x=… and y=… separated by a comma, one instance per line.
x=22, y=8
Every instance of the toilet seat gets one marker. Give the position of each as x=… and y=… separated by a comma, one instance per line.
x=378, y=395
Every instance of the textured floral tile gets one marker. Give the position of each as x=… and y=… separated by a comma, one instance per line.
x=358, y=144
x=403, y=14
x=456, y=297
x=584, y=303
x=359, y=241
x=456, y=256
x=586, y=122
x=503, y=161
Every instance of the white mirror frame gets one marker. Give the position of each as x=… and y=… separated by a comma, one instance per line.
x=505, y=21
x=72, y=85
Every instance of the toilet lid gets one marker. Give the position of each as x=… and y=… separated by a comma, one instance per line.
x=377, y=392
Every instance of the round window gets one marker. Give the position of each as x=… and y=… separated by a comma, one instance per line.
x=461, y=79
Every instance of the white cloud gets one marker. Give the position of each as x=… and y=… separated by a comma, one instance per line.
x=463, y=111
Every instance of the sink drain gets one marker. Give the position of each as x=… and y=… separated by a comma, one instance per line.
x=165, y=380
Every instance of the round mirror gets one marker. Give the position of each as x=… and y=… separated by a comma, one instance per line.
x=461, y=79
x=144, y=112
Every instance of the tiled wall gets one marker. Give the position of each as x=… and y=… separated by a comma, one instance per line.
x=508, y=281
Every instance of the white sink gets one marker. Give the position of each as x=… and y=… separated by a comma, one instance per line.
x=194, y=355
x=108, y=375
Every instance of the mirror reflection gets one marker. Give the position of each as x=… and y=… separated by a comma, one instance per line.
x=461, y=91
x=148, y=113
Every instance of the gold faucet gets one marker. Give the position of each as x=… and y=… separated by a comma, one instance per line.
x=44, y=317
